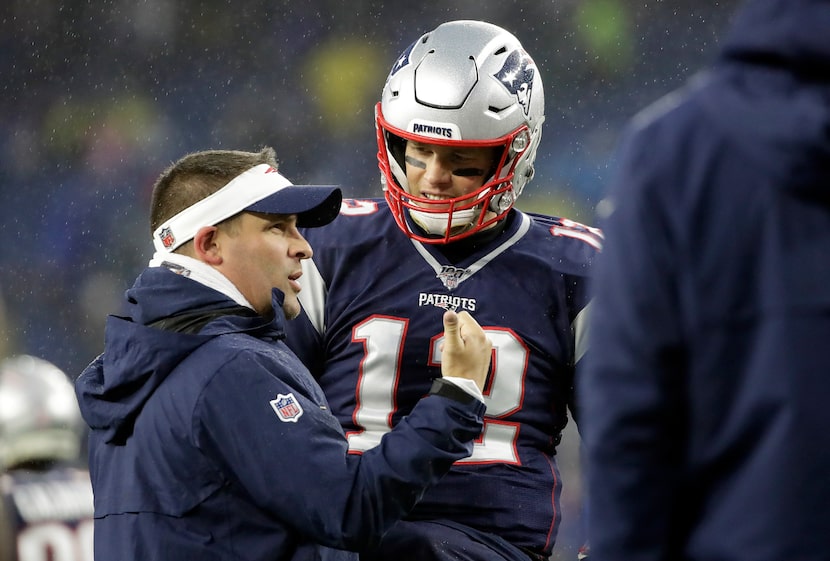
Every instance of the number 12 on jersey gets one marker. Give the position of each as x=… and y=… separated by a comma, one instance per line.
x=380, y=369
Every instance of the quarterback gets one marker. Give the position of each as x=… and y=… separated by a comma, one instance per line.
x=458, y=127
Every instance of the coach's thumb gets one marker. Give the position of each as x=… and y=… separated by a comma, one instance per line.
x=451, y=327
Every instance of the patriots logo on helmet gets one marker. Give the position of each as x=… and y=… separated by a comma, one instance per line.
x=402, y=60
x=516, y=75
x=167, y=238
x=287, y=408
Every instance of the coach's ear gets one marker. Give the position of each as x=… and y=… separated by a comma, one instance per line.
x=205, y=247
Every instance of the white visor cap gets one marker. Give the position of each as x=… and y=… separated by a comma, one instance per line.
x=260, y=189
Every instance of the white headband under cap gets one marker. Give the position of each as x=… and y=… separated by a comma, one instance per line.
x=241, y=192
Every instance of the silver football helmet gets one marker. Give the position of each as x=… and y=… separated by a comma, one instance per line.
x=39, y=414
x=464, y=84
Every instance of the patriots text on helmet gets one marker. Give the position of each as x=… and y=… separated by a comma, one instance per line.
x=432, y=130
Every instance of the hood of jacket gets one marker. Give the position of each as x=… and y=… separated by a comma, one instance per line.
x=776, y=61
x=138, y=357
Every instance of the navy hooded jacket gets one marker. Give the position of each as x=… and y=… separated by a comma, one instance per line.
x=706, y=408
x=218, y=444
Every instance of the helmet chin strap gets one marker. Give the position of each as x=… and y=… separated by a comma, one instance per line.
x=435, y=223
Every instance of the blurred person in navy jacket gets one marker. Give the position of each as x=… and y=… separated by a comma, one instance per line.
x=210, y=440
x=706, y=413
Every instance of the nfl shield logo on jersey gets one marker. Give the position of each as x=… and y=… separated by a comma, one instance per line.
x=451, y=276
x=287, y=408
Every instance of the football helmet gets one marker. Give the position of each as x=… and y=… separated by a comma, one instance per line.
x=464, y=84
x=39, y=414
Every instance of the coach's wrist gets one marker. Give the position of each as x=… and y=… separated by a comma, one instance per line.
x=462, y=390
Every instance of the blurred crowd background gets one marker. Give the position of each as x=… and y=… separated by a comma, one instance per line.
x=98, y=97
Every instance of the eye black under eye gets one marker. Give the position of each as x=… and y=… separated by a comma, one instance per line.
x=414, y=162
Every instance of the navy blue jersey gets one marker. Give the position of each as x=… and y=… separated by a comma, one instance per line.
x=46, y=515
x=371, y=333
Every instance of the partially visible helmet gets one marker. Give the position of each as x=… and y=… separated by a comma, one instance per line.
x=39, y=415
x=464, y=84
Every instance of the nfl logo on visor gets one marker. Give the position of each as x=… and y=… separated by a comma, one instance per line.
x=287, y=408
x=167, y=238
